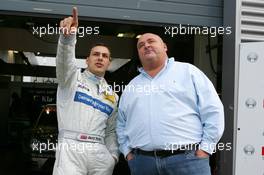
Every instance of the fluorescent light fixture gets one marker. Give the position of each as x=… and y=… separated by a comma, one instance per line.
x=30, y=23
x=27, y=78
x=115, y=64
x=126, y=35
x=120, y=35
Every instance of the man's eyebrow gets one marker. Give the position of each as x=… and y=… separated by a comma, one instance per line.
x=105, y=53
x=149, y=39
x=141, y=42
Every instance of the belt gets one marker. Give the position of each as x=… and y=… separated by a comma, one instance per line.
x=83, y=137
x=165, y=153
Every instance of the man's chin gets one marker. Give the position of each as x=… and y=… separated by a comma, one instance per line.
x=100, y=72
x=149, y=58
x=150, y=55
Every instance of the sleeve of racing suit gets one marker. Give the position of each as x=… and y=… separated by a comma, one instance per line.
x=110, y=135
x=65, y=59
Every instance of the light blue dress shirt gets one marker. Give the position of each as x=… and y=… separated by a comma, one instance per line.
x=179, y=106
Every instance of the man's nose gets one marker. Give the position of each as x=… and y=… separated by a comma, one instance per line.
x=100, y=57
x=146, y=45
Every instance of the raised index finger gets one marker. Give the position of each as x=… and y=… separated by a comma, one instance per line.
x=75, y=15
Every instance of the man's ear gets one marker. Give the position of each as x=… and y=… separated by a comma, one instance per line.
x=165, y=46
x=87, y=60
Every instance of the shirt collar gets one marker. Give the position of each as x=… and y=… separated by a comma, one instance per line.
x=168, y=62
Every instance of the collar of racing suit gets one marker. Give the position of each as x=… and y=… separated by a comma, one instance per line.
x=96, y=79
x=99, y=81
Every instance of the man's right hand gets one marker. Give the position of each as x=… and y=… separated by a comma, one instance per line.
x=69, y=25
x=129, y=156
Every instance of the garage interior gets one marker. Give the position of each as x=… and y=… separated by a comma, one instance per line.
x=26, y=85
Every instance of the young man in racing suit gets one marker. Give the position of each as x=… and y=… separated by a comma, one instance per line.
x=86, y=109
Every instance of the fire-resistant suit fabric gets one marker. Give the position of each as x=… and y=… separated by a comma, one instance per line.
x=86, y=110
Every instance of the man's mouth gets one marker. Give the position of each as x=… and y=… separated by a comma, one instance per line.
x=148, y=52
x=99, y=65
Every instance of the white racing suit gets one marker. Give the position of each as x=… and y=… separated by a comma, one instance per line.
x=87, y=143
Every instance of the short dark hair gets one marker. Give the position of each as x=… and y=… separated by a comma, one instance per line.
x=100, y=44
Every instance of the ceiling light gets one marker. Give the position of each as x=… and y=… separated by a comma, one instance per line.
x=120, y=35
x=126, y=35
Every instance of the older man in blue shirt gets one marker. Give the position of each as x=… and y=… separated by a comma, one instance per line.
x=170, y=116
